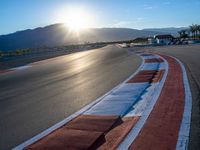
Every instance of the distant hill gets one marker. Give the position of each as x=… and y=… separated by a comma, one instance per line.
x=171, y=30
x=58, y=35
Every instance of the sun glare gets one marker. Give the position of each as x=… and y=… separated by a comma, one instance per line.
x=76, y=19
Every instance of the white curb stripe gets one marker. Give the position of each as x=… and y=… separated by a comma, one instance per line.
x=151, y=57
x=150, y=66
x=141, y=105
x=120, y=100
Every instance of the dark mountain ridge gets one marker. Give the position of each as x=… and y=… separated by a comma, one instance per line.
x=59, y=35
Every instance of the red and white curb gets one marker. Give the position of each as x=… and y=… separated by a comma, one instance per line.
x=118, y=119
x=15, y=69
x=149, y=101
x=20, y=68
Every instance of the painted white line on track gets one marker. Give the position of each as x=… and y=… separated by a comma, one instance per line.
x=21, y=67
x=183, y=138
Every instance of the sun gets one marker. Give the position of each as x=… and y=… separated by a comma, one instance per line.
x=76, y=19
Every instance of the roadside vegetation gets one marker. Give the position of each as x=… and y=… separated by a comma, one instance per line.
x=51, y=51
x=48, y=51
x=192, y=32
x=11, y=53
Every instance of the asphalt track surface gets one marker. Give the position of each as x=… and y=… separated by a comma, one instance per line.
x=189, y=55
x=33, y=99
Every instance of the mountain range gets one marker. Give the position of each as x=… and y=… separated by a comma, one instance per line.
x=171, y=30
x=59, y=35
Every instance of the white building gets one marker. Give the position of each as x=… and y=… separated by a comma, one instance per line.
x=163, y=39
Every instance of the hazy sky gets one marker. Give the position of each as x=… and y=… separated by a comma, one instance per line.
x=23, y=14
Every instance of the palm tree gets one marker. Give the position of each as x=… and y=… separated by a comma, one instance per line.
x=183, y=34
x=198, y=29
x=192, y=30
x=195, y=30
x=188, y=32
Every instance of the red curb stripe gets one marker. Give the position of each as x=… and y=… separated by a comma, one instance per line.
x=154, y=60
x=158, y=76
x=40, y=62
x=147, y=76
x=114, y=137
x=5, y=71
x=88, y=132
x=83, y=132
x=162, y=127
x=93, y=123
x=67, y=139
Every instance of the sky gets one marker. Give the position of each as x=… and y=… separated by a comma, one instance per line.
x=18, y=15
